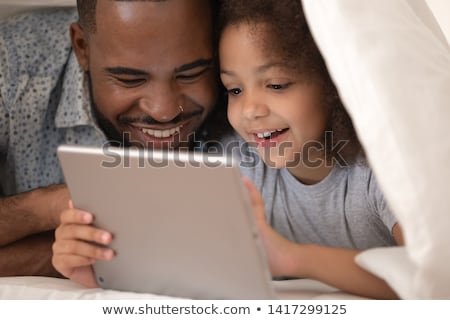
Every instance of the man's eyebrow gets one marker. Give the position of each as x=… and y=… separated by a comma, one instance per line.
x=136, y=72
x=193, y=65
x=126, y=71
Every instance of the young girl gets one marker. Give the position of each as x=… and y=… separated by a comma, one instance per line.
x=322, y=204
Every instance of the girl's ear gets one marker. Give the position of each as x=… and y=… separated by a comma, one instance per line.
x=80, y=45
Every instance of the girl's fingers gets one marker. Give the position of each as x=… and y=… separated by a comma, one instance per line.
x=76, y=216
x=255, y=199
x=68, y=262
x=81, y=249
x=83, y=232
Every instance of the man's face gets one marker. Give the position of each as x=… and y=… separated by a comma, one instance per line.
x=151, y=69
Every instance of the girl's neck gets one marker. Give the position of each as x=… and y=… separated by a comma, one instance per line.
x=312, y=172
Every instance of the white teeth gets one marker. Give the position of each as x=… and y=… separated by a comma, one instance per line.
x=266, y=134
x=162, y=133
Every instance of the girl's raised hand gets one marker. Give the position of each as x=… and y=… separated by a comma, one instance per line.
x=280, y=251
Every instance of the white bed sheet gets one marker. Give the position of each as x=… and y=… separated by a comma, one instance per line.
x=44, y=288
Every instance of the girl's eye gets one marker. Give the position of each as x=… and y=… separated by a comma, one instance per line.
x=234, y=91
x=278, y=86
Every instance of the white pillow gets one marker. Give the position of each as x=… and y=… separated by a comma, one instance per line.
x=393, y=266
x=391, y=64
x=441, y=9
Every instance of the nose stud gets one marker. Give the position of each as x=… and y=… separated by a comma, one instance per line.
x=181, y=108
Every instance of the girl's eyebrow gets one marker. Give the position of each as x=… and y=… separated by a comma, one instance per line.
x=226, y=72
x=265, y=67
x=260, y=69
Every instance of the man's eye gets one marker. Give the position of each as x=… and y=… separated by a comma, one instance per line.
x=234, y=91
x=190, y=77
x=131, y=82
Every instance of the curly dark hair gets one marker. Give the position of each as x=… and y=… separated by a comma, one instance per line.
x=287, y=35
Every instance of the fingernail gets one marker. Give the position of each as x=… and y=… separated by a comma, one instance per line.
x=105, y=237
x=86, y=217
x=108, y=254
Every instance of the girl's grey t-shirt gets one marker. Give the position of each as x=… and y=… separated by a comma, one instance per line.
x=346, y=209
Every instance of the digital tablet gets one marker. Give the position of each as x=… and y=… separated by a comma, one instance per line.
x=182, y=222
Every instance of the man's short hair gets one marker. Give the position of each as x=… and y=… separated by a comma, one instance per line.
x=86, y=12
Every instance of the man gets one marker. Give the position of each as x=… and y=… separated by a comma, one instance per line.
x=135, y=73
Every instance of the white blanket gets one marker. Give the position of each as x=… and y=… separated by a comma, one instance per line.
x=391, y=64
x=32, y=288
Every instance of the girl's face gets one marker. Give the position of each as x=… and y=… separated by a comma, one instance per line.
x=270, y=104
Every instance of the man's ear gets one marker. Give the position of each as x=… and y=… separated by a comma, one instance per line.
x=80, y=45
